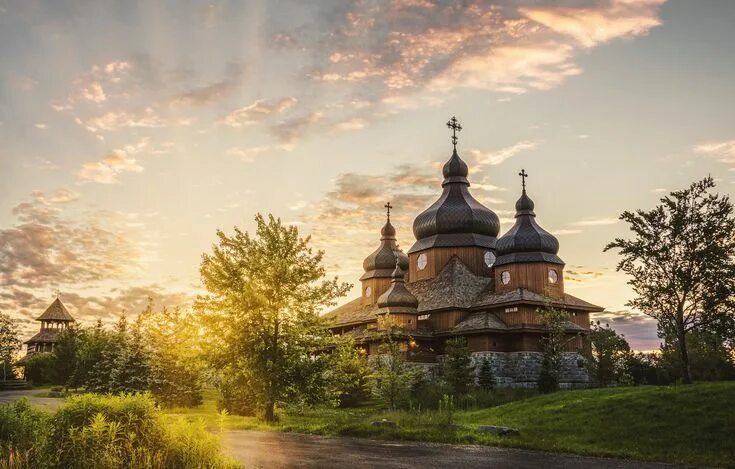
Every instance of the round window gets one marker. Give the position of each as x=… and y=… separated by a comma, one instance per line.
x=505, y=277
x=368, y=291
x=553, y=276
x=421, y=261
x=489, y=258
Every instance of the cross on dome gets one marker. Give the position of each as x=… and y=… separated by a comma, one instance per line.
x=523, y=174
x=453, y=124
x=388, y=206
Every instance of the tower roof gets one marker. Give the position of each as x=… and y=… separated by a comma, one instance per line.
x=381, y=262
x=397, y=298
x=526, y=241
x=457, y=218
x=56, y=312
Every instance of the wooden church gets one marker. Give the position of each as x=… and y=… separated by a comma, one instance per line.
x=460, y=279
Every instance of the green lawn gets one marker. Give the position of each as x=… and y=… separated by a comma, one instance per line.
x=685, y=424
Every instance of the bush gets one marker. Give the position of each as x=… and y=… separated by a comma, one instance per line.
x=40, y=368
x=104, y=432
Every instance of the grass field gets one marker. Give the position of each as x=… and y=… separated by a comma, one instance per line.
x=685, y=424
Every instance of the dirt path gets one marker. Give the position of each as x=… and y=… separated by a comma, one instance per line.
x=286, y=450
x=49, y=402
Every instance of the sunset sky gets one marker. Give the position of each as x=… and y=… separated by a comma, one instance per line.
x=131, y=131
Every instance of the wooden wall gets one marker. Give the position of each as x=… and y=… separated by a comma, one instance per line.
x=533, y=276
x=473, y=257
x=402, y=320
x=378, y=286
x=445, y=319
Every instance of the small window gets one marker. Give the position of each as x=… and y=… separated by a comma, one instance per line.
x=505, y=277
x=368, y=291
x=409, y=321
x=489, y=258
x=424, y=317
x=513, y=309
x=422, y=261
x=553, y=276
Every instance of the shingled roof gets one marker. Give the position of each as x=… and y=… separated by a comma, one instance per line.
x=480, y=320
x=489, y=299
x=56, y=312
x=45, y=336
x=353, y=313
x=454, y=288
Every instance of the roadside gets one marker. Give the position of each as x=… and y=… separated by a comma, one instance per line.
x=287, y=450
x=50, y=403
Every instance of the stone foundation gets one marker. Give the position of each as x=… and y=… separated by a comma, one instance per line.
x=522, y=369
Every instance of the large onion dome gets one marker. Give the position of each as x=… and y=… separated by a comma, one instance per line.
x=456, y=219
x=397, y=299
x=381, y=262
x=527, y=241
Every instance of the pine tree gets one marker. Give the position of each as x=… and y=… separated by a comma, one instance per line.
x=459, y=374
x=485, y=378
x=392, y=378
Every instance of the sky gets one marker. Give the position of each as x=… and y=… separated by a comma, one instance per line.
x=131, y=131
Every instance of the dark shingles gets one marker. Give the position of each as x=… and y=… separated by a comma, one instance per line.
x=56, y=312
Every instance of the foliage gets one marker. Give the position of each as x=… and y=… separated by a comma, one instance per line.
x=485, y=378
x=349, y=373
x=261, y=314
x=39, y=368
x=458, y=372
x=681, y=260
x=554, y=344
x=392, y=378
x=65, y=354
x=9, y=343
x=608, y=358
x=103, y=432
x=174, y=358
x=446, y=409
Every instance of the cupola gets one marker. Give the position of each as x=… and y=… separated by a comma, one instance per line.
x=527, y=254
x=379, y=265
x=397, y=303
x=456, y=220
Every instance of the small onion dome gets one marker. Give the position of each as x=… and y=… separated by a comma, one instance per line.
x=382, y=261
x=456, y=219
x=526, y=241
x=397, y=299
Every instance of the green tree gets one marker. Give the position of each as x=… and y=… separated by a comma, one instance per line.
x=349, y=372
x=65, y=354
x=9, y=343
x=554, y=344
x=485, y=378
x=175, y=358
x=609, y=353
x=392, y=377
x=262, y=312
x=681, y=260
x=458, y=372
x=92, y=343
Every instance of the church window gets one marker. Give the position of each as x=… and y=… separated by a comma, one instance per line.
x=368, y=291
x=424, y=317
x=489, y=258
x=505, y=277
x=553, y=276
x=422, y=261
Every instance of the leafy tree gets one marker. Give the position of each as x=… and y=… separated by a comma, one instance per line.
x=9, y=343
x=39, y=368
x=485, y=378
x=261, y=313
x=92, y=343
x=554, y=343
x=459, y=374
x=392, y=378
x=608, y=355
x=65, y=354
x=349, y=373
x=175, y=357
x=682, y=262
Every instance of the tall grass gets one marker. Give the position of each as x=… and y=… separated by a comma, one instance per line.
x=104, y=432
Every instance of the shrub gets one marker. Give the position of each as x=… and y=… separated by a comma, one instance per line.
x=40, y=368
x=23, y=427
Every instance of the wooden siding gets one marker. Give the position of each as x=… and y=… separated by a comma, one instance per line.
x=404, y=321
x=445, y=319
x=533, y=276
x=437, y=258
x=378, y=286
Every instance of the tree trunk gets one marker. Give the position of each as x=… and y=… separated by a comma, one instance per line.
x=270, y=411
x=684, y=357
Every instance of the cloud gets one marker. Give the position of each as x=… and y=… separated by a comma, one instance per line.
x=248, y=154
x=47, y=249
x=395, y=47
x=115, y=120
x=639, y=330
x=564, y=232
x=597, y=25
x=595, y=222
x=208, y=94
x=118, y=161
x=257, y=111
x=723, y=152
x=498, y=156
x=355, y=123
x=291, y=130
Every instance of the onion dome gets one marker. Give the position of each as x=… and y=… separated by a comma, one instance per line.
x=456, y=219
x=381, y=262
x=397, y=299
x=526, y=241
